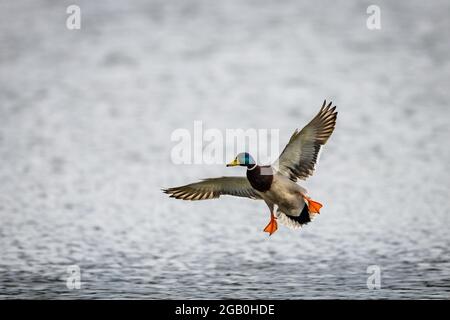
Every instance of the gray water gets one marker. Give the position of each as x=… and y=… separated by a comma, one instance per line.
x=85, y=123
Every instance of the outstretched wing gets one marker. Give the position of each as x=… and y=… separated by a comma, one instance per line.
x=299, y=157
x=213, y=188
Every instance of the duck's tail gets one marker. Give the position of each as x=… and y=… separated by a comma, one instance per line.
x=295, y=222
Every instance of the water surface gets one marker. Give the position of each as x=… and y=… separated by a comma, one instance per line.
x=85, y=124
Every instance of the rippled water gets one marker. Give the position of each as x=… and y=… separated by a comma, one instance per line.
x=85, y=124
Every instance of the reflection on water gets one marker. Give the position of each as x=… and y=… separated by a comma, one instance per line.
x=86, y=118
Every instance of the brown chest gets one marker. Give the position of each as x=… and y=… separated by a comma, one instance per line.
x=259, y=179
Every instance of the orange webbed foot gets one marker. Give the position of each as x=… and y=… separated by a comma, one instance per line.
x=272, y=226
x=313, y=206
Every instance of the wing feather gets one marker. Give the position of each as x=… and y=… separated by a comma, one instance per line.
x=299, y=157
x=214, y=188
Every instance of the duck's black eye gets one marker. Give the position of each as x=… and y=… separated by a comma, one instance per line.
x=247, y=159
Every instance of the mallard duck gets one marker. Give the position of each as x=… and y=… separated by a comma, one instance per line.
x=275, y=184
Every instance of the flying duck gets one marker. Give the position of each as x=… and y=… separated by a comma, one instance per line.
x=276, y=184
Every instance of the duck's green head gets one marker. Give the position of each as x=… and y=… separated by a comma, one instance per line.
x=242, y=159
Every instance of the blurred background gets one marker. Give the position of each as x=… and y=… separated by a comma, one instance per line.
x=86, y=118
